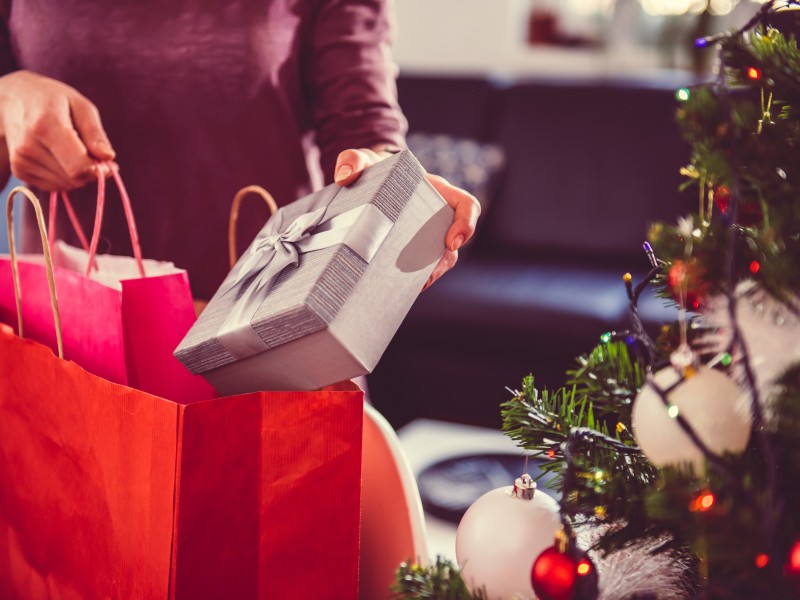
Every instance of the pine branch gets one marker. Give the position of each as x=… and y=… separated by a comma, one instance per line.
x=745, y=135
x=440, y=581
x=599, y=474
x=610, y=379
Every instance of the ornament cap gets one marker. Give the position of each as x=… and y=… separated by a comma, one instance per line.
x=524, y=487
x=684, y=360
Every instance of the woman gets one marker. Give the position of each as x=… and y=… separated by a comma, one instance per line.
x=194, y=100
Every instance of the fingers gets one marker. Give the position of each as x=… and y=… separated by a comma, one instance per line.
x=447, y=262
x=467, y=209
x=45, y=177
x=351, y=163
x=86, y=120
x=53, y=133
x=56, y=133
x=37, y=164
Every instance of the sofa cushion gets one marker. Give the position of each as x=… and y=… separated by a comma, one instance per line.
x=466, y=163
x=588, y=167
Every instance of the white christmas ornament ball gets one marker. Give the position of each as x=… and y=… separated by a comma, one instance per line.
x=709, y=401
x=500, y=537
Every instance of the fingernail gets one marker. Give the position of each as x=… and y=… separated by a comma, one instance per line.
x=458, y=242
x=105, y=147
x=343, y=173
x=105, y=170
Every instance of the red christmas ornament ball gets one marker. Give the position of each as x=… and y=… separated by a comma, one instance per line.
x=791, y=570
x=750, y=212
x=568, y=575
x=687, y=284
x=554, y=575
x=722, y=198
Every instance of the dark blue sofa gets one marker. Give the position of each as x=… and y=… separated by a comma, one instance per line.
x=589, y=165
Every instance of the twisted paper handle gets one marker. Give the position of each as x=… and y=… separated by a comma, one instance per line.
x=48, y=262
x=237, y=201
x=91, y=247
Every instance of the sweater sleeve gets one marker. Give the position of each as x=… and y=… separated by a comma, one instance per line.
x=7, y=62
x=7, y=65
x=350, y=78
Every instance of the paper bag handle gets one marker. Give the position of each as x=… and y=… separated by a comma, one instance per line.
x=76, y=225
x=73, y=218
x=237, y=201
x=51, y=223
x=91, y=247
x=48, y=262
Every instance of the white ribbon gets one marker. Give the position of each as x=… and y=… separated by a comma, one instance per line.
x=277, y=247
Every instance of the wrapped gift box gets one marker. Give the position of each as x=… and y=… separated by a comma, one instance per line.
x=322, y=289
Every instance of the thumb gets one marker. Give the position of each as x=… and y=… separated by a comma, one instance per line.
x=86, y=119
x=351, y=163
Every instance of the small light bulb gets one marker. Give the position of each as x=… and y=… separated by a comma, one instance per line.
x=584, y=567
x=753, y=73
x=706, y=501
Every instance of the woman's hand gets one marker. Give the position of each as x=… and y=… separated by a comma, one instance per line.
x=52, y=133
x=351, y=163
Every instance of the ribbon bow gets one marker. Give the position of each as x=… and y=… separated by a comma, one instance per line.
x=279, y=246
x=275, y=249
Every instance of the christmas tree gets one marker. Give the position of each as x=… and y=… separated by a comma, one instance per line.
x=681, y=454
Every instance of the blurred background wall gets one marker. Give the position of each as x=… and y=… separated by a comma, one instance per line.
x=564, y=37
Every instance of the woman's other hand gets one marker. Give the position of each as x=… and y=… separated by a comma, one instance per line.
x=52, y=132
x=351, y=163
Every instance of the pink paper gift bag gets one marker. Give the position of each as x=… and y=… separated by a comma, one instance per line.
x=121, y=316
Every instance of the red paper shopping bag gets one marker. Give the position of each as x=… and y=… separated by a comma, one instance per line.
x=111, y=492
x=122, y=316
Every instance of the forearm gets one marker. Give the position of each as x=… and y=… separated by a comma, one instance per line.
x=5, y=163
x=352, y=79
x=7, y=65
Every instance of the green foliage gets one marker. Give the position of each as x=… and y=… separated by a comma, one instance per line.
x=745, y=137
x=583, y=431
x=610, y=378
x=440, y=581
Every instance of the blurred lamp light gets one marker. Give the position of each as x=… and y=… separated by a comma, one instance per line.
x=721, y=7
x=589, y=7
x=663, y=8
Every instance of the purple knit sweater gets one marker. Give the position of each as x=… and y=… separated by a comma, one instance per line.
x=203, y=97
